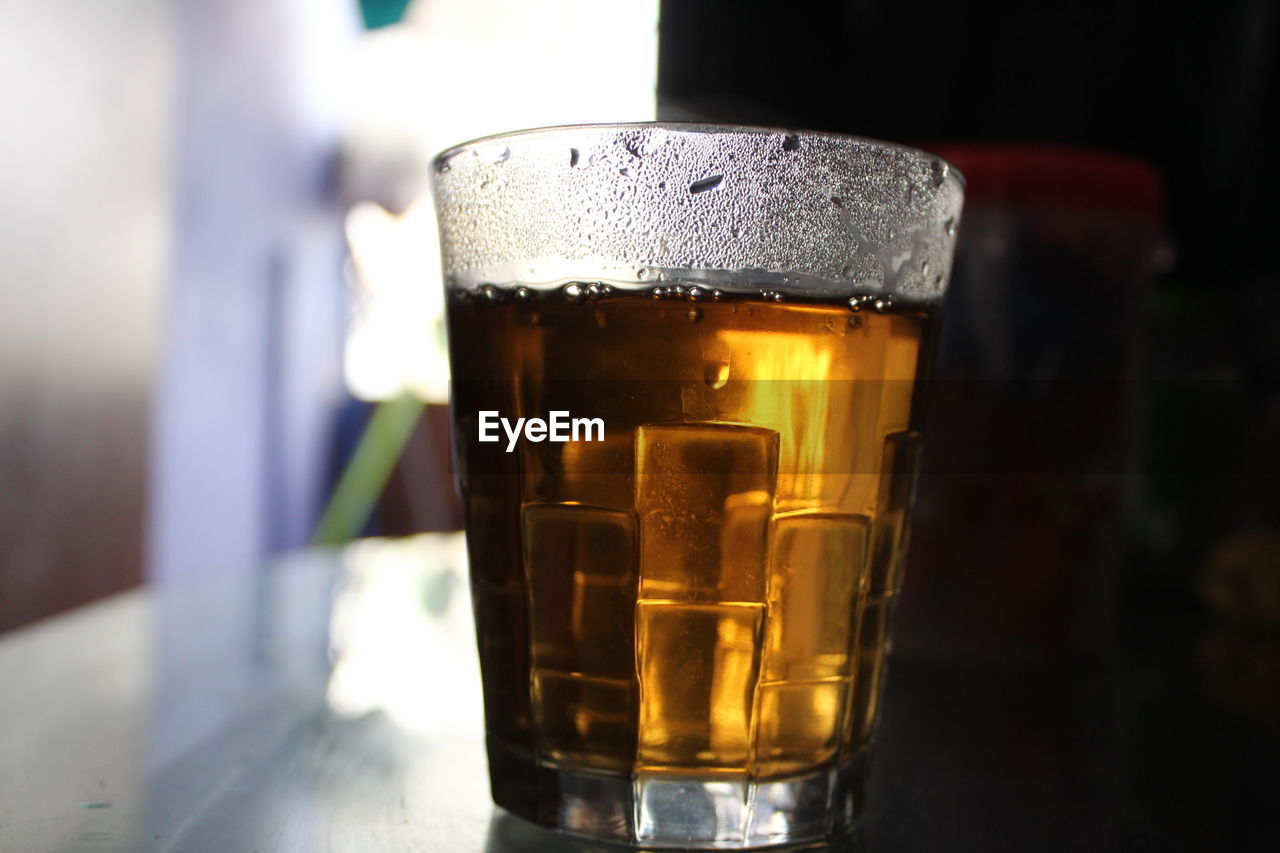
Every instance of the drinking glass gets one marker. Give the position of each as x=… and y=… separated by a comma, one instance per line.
x=688, y=364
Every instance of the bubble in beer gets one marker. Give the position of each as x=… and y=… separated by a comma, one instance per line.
x=716, y=374
x=574, y=293
x=695, y=294
x=523, y=294
x=717, y=295
x=656, y=293
x=855, y=304
x=489, y=294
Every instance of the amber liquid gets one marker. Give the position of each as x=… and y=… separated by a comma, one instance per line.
x=707, y=590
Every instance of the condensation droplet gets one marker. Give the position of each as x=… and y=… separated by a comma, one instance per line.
x=940, y=171
x=708, y=183
x=716, y=374
x=574, y=293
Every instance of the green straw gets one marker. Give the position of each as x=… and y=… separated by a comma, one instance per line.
x=366, y=475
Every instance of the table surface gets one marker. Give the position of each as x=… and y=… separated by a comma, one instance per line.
x=331, y=703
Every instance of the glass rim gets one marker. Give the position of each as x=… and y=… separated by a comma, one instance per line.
x=798, y=212
x=709, y=128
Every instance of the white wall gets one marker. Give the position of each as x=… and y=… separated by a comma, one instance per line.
x=85, y=126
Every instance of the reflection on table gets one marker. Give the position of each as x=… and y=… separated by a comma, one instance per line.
x=332, y=702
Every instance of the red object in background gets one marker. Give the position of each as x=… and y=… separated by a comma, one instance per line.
x=1067, y=178
x=1019, y=525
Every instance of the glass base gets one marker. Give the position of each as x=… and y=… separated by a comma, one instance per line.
x=660, y=810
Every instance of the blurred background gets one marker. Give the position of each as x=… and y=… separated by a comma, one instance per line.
x=220, y=336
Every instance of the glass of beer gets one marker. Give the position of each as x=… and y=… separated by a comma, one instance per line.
x=688, y=367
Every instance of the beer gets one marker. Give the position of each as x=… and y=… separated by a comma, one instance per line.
x=703, y=589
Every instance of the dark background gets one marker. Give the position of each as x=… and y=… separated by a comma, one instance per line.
x=1187, y=86
x=1162, y=730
